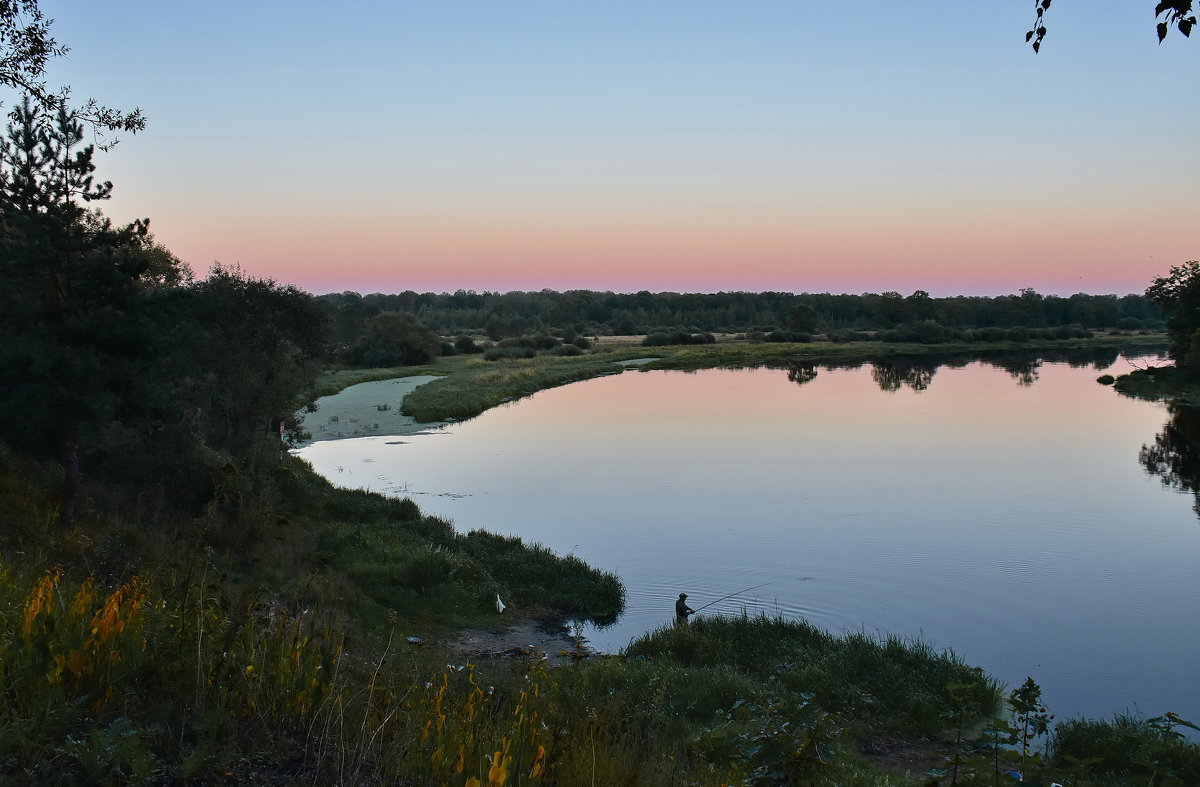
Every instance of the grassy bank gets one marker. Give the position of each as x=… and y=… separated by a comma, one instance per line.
x=299, y=639
x=294, y=632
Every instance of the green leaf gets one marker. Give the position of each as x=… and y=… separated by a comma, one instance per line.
x=1162, y=31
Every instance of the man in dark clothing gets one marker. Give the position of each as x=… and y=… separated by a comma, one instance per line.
x=682, y=610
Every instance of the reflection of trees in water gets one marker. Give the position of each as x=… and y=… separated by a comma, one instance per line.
x=1175, y=455
x=1024, y=371
x=1098, y=357
x=801, y=373
x=894, y=374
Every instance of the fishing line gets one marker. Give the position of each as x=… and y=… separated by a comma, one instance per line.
x=747, y=590
x=735, y=593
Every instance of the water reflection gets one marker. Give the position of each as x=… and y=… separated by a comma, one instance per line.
x=801, y=373
x=916, y=372
x=1175, y=455
x=894, y=374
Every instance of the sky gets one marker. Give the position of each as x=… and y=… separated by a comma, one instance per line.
x=662, y=145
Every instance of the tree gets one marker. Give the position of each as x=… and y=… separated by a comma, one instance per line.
x=1177, y=295
x=804, y=319
x=73, y=330
x=1170, y=13
x=246, y=351
x=395, y=339
x=26, y=47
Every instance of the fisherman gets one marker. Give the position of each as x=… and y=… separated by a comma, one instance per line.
x=682, y=610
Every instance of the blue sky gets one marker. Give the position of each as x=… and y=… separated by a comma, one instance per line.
x=694, y=146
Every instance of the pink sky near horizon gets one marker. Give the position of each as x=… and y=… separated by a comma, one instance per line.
x=692, y=146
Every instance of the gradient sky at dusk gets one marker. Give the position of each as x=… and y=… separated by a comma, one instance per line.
x=660, y=144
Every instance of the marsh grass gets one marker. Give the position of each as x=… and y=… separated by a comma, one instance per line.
x=889, y=681
x=1126, y=750
x=330, y=382
x=479, y=385
x=740, y=354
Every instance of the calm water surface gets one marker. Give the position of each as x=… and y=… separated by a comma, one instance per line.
x=1001, y=513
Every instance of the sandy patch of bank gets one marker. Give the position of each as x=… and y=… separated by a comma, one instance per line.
x=367, y=410
x=527, y=638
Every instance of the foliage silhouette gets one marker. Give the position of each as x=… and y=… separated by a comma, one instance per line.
x=74, y=330
x=1176, y=14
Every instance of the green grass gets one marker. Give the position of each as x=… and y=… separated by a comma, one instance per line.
x=330, y=382
x=478, y=385
x=398, y=559
x=1127, y=750
x=888, y=681
x=740, y=354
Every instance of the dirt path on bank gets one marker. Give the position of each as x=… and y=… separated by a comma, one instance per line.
x=526, y=638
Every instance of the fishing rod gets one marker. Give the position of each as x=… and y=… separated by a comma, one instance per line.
x=731, y=595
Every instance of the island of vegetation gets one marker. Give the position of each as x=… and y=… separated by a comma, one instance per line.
x=183, y=601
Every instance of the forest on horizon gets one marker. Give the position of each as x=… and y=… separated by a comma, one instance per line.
x=593, y=313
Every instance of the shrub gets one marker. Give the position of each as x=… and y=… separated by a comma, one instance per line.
x=508, y=353
x=659, y=339
x=395, y=339
x=788, y=336
x=842, y=336
x=466, y=345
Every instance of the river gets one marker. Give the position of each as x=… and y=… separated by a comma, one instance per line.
x=1002, y=508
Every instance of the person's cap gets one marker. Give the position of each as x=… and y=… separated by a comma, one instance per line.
x=683, y=595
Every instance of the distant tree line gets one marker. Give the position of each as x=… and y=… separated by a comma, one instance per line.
x=574, y=313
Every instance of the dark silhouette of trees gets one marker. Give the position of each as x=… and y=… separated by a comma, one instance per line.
x=395, y=339
x=26, y=47
x=245, y=352
x=924, y=318
x=1178, y=296
x=804, y=318
x=74, y=332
